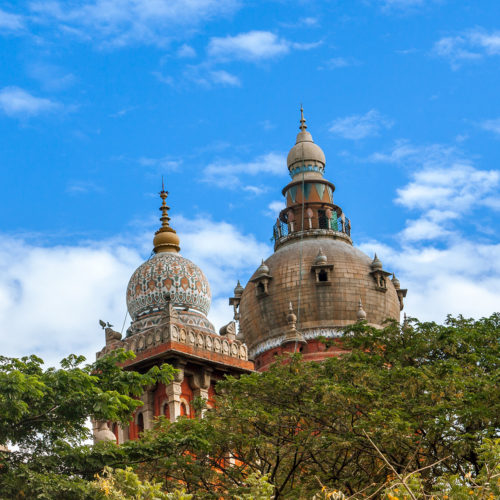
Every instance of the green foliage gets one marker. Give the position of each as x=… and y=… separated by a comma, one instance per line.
x=414, y=407
x=124, y=484
x=426, y=394
x=44, y=415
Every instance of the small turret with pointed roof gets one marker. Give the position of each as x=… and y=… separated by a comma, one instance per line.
x=238, y=289
x=376, y=263
x=166, y=239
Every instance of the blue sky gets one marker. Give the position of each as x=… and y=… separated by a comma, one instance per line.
x=100, y=98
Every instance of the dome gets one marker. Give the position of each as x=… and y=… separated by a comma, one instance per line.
x=165, y=274
x=324, y=309
x=305, y=152
x=262, y=269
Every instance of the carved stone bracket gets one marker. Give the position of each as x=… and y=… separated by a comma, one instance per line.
x=401, y=294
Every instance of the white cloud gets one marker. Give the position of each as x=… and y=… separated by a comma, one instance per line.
x=227, y=174
x=163, y=164
x=275, y=207
x=16, y=102
x=492, y=126
x=337, y=62
x=50, y=76
x=118, y=23
x=461, y=278
x=360, y=126
x=445, y=187
x=252, y=46
x=402, y=4
x=10, y=22
x=468, y=45
x=224, y=78
x=52, y=297
x=455, y=188
x=186, y=51
x=405, y=153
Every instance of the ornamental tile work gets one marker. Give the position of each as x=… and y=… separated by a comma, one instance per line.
x=167, y=274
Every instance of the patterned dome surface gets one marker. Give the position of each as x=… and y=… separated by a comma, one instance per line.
x=167, y=273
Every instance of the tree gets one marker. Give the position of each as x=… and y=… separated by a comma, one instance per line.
x=425, y=394
x=44, y=417
x=415, y=404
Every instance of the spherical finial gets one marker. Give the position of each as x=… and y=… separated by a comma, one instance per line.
x=166, y=239
x=376, y=263
x=361, y=314
x=395, y=282
x=238, y=290
x=321, y=258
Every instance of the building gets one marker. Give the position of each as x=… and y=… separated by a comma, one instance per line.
x=313, y=285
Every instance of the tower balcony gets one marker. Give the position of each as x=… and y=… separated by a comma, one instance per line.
x=335, y=227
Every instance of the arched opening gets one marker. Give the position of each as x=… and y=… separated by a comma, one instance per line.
x=323, y=221
x=183, y=410
x=140, y=423
x=322, y=275
x=261, y=288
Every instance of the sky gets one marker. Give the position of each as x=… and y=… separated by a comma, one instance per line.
x=101, y=98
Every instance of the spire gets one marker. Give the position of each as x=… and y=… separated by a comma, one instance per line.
x=166, y=239
x=303, y=125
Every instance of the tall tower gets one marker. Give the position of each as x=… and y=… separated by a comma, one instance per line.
x=315, y=283
x=168, y=298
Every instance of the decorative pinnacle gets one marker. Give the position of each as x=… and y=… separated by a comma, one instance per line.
x=303, y=125
x=164, y=207
x=165, y=240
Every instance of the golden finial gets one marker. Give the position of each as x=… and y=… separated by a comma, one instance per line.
x=303, y=125
x=166, y=239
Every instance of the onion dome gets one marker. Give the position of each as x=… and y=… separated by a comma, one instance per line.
x=104, y=433
x=395, y=282
x=167, y=277
x=361, y=314
x=321, y=258
x=262, y=270
x=238, y=289
x=166, y=239
x=305, y=153
x=376, y=263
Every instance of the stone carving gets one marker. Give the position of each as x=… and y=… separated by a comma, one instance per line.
x=226, y=344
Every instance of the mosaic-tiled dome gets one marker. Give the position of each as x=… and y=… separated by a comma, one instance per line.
x=167, y=273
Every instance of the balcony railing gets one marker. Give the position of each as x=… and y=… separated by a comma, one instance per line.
x=340, y=225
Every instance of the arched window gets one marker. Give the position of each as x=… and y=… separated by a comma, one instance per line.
x=140, y=423
x=183, y=410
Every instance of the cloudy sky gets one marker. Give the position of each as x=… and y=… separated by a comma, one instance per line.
x=100, y=98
